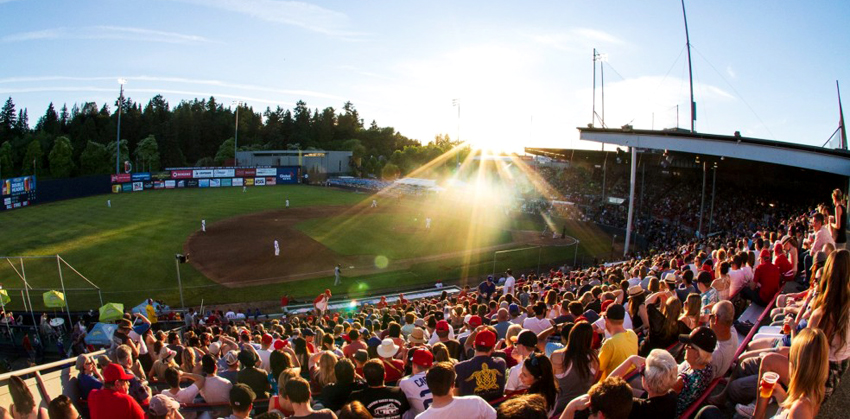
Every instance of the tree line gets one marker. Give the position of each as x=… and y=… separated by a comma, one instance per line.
x=82, y=140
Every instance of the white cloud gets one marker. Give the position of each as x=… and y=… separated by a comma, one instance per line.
x=168, y=80
x=106, y=32
x=731, y=72
x=296, y=13
x=577, y=39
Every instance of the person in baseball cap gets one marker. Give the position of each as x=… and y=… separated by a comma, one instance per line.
x=241, y=400
x=112, y=401
x=702, y=338
x=474, y=321
x=162, y=406
x=415, y=386
x=621, y=344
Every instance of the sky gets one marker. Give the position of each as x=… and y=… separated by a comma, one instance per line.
x=522, y=72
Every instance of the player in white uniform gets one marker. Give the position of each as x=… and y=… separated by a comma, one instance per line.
x=276, y=248
x=204, y=226
x=337, y=272
x=414, y=386
x=428, y=223
x=287, y=202
x=108, y=203
x=374, y=203
x=244, y=189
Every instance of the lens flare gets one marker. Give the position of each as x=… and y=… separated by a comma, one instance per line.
x=381, y=262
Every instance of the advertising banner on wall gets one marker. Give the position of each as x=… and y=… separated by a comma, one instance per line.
x=260, y=181
x=203, y=183
x=17, y=192
x=158, y=184
x=224, y=173
x=266, y=171
x=181, y=183
x=204, y=173
x=287, y=175
x=246, y=172
x=140, y=177
x=215, y=183
x=271, y=181
x=249, y=181
x=116, y=188
x=226, y=182
x=127, y=187
x=169, y=184
x=147, y=185
x=161, y=175
x=121, y=178
x=138, y=186
x=237, y=181
x=192, y=183
x=181, y=174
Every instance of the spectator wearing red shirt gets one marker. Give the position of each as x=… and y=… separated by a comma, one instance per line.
x=766, y=277
x=112, y=401
x=781, y=261
x=394, y=368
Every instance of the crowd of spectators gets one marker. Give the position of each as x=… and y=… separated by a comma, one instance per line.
x=642, y=338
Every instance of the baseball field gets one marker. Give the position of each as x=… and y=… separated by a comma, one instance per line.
x=128, y=250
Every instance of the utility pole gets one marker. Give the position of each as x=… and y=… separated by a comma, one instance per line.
x=118, y=134
x=702, y=200
x=690, y=70
x=238, y=103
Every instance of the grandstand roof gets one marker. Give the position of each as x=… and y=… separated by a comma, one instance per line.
x=797, y=155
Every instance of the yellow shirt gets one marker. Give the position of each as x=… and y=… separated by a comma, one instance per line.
x=151, y=313
x=615, y=350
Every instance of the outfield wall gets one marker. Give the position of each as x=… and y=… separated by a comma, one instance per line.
x=205, y=177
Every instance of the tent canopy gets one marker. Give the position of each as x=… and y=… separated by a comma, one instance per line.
x=111, y=312
x=54, y=299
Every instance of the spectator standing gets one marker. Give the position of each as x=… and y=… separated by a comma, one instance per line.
x=510, y=283
x=838, y=221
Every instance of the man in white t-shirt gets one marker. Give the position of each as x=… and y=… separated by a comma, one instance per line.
x=186, y=395
x=539, y=322
x=510, y=283
x=230, y=315
x=216, y=389
x=441, y=379
x=414, y=386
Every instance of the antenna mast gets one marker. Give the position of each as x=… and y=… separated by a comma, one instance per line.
x=841, y=126
x=690, y=70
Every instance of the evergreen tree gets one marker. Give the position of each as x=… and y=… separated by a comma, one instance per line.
x=32, y=159
x=95, y=159
x=147, y=154
x=125, y=154
x=7, y=168
x=225, y=152
x=61, y=158
x=8, y=120
x=49, y=123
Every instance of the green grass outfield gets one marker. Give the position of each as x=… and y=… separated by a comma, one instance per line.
x=128, y=250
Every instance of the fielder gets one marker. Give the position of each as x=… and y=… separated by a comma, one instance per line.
x=428, y=223
x=287, y=202
x=108, y=203
x=337, y=272
x=276, y=248
x=244, y=189
x=374, y=203
x=204, y=226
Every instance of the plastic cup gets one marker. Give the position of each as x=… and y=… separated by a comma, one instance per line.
x=768, y=381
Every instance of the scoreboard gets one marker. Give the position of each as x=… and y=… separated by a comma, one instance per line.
x=17, y=192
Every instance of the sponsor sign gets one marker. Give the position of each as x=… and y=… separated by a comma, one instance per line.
x=148, y=185
x=199, y=174
x=158, y=184
x=192, y=183
x=249, y=181
x=169, y=184
x=271, y=181
x=141, y=177
x=287, y=175
x=138, y=186
x=161, y=175
x=116, y=188
x=126, y=187
x=260, y=181
x=181, y=183
x=203, y=183
x=215, y=183
x=121, y=178
x=181, y=174
x=267, y=171
x=246, y=172
x=237, y=181
x=226, y=182
x=224, y=173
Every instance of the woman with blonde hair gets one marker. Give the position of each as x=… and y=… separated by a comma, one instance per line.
x=838, y=222
x=690, y=317
x=323, y=372
x=279, y=403
x=809, y=369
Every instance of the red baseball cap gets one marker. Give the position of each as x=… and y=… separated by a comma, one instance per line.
x=114, y=372
x=442, y=326
x=267, y=339
x=765, y=254
x=485, y=338
x=606, y=304
x=423, y=358
x=475, y=321
x=279, y=344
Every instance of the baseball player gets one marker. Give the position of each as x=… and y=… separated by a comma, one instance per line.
x=287, y=202
x=321, y=302
x=204, y=226
x=337, y=272
x=374, y=203
x=244, y=189
x=108, y=203
x=276, y=248
x=428, y=223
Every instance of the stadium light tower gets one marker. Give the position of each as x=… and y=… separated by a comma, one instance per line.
x=121, y=82
x=236, y=103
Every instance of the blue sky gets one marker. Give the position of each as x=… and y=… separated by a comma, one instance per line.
x=522, y=70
